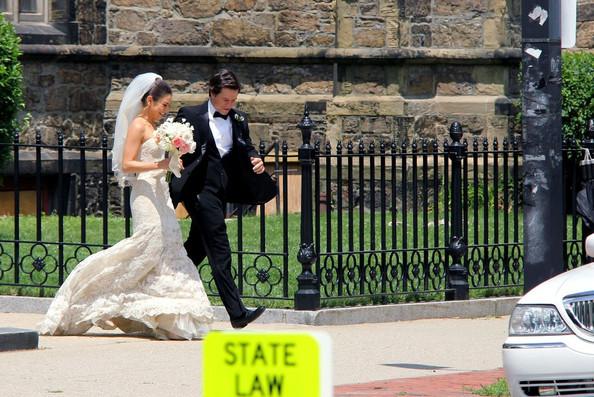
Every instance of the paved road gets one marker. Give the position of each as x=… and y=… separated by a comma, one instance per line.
x=107, y=363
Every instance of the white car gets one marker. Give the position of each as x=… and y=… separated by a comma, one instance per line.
x=550, y=347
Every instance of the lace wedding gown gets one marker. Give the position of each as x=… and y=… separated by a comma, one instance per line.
x=145, y=284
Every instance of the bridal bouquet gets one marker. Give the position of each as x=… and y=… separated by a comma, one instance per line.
x=176, y=139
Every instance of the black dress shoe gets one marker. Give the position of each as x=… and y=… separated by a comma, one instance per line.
x=247, y=317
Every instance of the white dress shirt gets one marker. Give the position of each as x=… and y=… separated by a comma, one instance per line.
x=221, y=131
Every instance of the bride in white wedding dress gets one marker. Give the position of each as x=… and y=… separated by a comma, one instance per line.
x=145, y=284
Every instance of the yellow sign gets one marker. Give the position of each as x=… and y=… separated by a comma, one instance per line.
x=260, y=364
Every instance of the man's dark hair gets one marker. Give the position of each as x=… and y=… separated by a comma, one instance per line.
x=158, y=90
x=223, y=79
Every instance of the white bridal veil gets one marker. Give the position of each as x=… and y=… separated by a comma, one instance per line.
x=129, y=108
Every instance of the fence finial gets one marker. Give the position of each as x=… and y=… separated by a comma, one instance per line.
x=306, y=126
x=456, y=131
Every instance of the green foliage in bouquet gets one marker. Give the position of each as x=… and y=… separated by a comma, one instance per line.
x=577, y=92
x=11, y=85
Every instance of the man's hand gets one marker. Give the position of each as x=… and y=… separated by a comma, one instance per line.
x=258, y=165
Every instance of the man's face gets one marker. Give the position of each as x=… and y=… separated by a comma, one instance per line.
x=225, y=100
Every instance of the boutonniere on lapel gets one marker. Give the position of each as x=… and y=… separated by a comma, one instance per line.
x=239, y=117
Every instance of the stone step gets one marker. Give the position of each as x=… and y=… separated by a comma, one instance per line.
x=18, y=339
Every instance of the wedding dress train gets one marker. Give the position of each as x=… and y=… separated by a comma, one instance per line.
x=145, y=284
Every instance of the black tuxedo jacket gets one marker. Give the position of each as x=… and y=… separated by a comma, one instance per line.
x=247, y=187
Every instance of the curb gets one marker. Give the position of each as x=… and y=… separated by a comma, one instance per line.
x=475, y=308
x=18, y=339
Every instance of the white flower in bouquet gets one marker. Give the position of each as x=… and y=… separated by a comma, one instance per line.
x=176, y=139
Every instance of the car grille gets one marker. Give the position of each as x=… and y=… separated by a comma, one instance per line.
x=561, y=387
x=581, y=310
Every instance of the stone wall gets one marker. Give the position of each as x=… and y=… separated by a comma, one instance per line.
x=67, y=96
x=322, y=23
x=351, y=95
x=223, y=23
x=585, y=24
x=427, y=23
x=91, y=18
x=367, y=69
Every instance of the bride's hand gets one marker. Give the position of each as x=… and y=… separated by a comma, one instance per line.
x=163, y=164
x=181, y=164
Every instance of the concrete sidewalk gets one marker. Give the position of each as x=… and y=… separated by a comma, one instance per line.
x=107, y=363
x=475, y=308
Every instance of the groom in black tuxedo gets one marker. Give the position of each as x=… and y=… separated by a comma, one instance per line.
x=225, y=167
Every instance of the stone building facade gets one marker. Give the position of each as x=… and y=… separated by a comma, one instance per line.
x=366, y=68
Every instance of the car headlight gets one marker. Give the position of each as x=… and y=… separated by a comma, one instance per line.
x=536, y=320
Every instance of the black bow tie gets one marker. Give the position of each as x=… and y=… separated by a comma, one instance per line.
x=223, y=116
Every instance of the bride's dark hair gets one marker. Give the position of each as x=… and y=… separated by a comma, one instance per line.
x=158, y=90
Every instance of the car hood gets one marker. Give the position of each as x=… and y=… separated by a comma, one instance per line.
x=577, y=281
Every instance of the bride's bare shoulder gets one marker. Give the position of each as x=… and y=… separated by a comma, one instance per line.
x=139, y=122
x=137, y=130
x=138, y=126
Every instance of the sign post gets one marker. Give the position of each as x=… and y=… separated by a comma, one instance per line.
x=541, y=127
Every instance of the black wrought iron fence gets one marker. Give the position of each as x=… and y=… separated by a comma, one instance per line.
x=45, y=179
x=381, y=218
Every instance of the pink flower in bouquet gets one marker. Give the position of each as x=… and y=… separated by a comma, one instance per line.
x=178, y=142
x=184, y=148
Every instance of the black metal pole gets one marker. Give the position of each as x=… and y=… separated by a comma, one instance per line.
x=307, y=296
x=61, y=208
x=541, y=127
x=17, y=206
x=104, y=192
x=457, y=286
